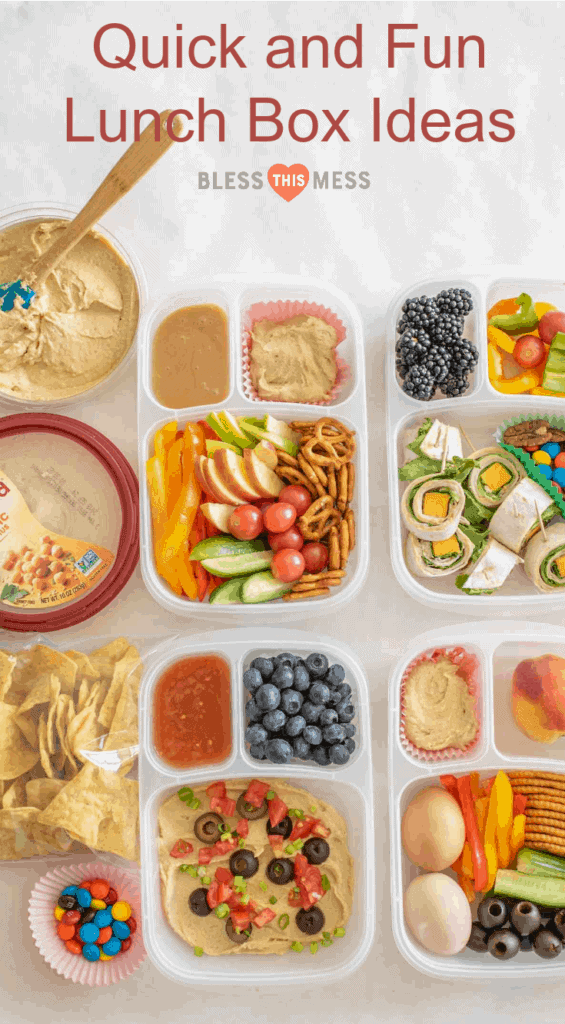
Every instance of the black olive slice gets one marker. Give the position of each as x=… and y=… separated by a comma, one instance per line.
x=280, y=871
x=244, y=863
x=310, y=921
x=316, y=850
x=284, y=828
x=249, y=811
x=198, y=903
x=238, y=937
x=207, y=828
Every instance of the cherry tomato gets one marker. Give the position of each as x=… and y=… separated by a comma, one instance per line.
x=529, y=351
x=315, y=556
x=289, y=539
x=287, y=565
x=246, y=522
x=264, y=505
x=298, y=496
x=279, y=517
x=550, y=324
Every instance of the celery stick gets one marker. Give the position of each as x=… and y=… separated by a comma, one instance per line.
x=549, y=892
x=536, y=862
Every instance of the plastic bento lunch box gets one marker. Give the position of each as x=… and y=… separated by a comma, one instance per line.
x=477, y=414
x=238, y=297
x=499, y=647
x=347, y=788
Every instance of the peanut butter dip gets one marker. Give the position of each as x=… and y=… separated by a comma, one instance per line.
x=293, y=360
x=438, y=708
x=80, y=324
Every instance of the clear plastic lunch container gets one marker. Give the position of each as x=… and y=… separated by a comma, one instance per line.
x=499, y=647
x=62, y=211
x=348, y=788
x=478, y=412
x=236, y=295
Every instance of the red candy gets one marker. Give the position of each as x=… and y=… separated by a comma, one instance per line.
x=132, y=924
x=126, y=943
x=74, y=946
x=105, y=934
x=65, y=931
x=111, y=897
x=99, y=888
x=70, y=917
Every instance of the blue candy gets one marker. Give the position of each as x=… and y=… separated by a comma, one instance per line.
x=546, y=471
x=89, y=932
x=83, y=897
x=112, y=946
x=121, y=930
x=71, y=890
x=90, y=951
x=103, y=918
x=559, y=476
x=551, y=448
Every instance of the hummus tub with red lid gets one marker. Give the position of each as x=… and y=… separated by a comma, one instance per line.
x=68, y=522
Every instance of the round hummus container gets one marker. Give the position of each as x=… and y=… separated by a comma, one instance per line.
x=42, y=903
x=68, y=522
x=59, y=211
x=349, y=789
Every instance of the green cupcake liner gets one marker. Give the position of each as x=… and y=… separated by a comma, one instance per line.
x=525, y=458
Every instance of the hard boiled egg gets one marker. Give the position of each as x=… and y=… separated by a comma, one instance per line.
x=433, y=830
x=438, y=914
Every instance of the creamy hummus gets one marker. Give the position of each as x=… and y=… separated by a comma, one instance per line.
x=176, y=821
x=438, y=709
x=294, y=360
x=80, y=324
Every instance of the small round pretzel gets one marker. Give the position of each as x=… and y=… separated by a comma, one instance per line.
x=318, y=520
x=331, y=445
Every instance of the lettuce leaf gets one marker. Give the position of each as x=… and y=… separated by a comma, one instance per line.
x=458, y=470
x=460, y=583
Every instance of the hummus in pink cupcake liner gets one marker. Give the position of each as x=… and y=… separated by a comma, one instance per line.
x=284, y=309
x=41, y=913
x=468, y=667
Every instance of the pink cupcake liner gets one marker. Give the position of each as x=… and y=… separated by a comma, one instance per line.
x=471, y=675
x=42, y=903
x=283, y=309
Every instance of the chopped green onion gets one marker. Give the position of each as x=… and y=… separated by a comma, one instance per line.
x=284, y=921
x=326, y=935
x=263, y=886
x=326, y=883
x=313, y=808
x=245, y=898
x=194, y=804
x=295, y=888
x=298, y=844
x=222, y=910
x=270, y=795
x=289, y=849
x=183, y=868
x=222, y=827
x=238, y=881
x=340, y=932
x=185, y=794
x=272, y=899
x=326, y=942
x=206, y=879
x=192, y=871
x=297, y=947
x=313, y=947
x=247, y=932
x=201, y=871
x=198, y=951
x=242, y=842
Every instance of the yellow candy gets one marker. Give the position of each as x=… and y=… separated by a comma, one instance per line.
x=59, y=913
x=98, y=904
x=542, y=457
x=121, y=911
x=104, y=956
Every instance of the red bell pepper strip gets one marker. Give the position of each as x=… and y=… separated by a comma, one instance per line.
x=473, y=836
x=449, y=782
x=519, y=804
x=181, y=848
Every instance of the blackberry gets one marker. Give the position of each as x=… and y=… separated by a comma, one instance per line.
x=455, y=300
x=420, y=383
x=452, y=387
x=438, y=361
x=418, y=314
x=447, y=327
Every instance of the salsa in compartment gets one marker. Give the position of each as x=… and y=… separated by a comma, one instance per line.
x=191, y=712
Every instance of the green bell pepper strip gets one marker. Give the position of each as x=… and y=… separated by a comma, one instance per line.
x=525, y=320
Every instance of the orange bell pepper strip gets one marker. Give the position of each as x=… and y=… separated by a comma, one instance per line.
x=179, y=525
x=163, y=441
x=481, y=810
x=490, y=841
x=472, y=834
x=467, y=862
x=510, y=385
x=158, y=501
x=174, y=474
x=186, y=577
x=474, y=783
x=467, y=886
x=544, y=391
x=504, y=807
x=503, y=306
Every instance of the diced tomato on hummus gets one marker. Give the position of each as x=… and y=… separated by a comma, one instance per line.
x=240, y=918
x=277, y=811
x=276, y=843
x=242, y=828
x=308, y=878
x=217, y=789
x=223, y=805
x=264, y=917
x=256, y=792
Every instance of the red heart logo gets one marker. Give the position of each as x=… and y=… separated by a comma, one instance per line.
x=288, y=182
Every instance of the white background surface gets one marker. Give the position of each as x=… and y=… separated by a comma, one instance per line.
x=433, y=209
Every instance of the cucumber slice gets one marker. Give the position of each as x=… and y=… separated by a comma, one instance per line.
x=224, y=544
x=227, y=593
x=262, y=587
x=238, y=565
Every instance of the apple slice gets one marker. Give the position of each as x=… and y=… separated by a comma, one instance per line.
x=267, y=452
x=261, y=476
x=218, y=514
x=281, y=429
x=228, y=429
x=220, y=487
x=200, y=473
x=214, y=446
x=232, y=471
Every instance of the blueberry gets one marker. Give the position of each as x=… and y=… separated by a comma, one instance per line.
x=252, y=711
x=258, y=750
x=349, y=730
x=291, y=701
x=317, y=665
x=328, y=717
x=335, y=675
x=339, y=753
x=312, y=735
x=286, y=659
x=252, y=679
x=256, y=733
x=283, y=677
x=279, y=751
x=350, y=744
x=267, y=697
x=265, y=666
x=295, y=725
x=345, y=690
x=301, y=677
x=273, y=721
x=320, y=756
x=311, y=712
x=345, y=712
x=319, y=693
x=301, y=748
x=335, y=697
x=332, y=733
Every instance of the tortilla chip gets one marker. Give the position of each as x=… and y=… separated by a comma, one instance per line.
x=98, y=808
x=83, y=692
x=104, y=659
x=85, y=668
x=15, y=795
x=64, y=717
x=7, y=666
x=16, y=754
x=124, y=734
x=40, y=792
x=16, y=839
x=82, y=731
x=55, y=690
x=34, y=663
x=43, y=749
x=122, y=671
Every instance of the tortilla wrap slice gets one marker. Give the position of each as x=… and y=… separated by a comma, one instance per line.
x=441, y=439
x=492, y=568
x=492, y=456
x=516, y=520
x=428, y=527
x=541, y=557
x=421, y=560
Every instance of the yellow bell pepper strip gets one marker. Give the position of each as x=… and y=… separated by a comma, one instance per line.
x=544, y=391
x=179, y=525
x=174, y=474
x=490, y=841
x=504, y=813
x=194, y=446
x=186, y=576
x=509, y=385
x=157, y=498
x=524, y=321
x=542, y=308
x=501, y=339
x=518, y=837
x=164, y=439
x=472, y=835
